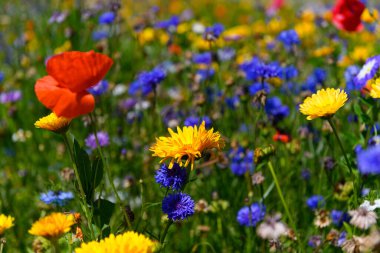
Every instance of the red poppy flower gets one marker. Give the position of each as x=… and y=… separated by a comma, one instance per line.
x=70, y=74
x=346, y=15
x=285, y=138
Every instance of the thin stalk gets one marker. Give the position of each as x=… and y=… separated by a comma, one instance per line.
x=108, y=173
x=281, y=195
x=162, y=238
x=2, y=242
x=55, y=246
x=340, y=144
x=81, y=191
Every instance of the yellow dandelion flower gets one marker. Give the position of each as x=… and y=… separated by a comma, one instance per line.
x=375, y=88
x=5, y=223
x=370, y=16
x=53, y=226
x=188, y=144
x=53, y=123
x=323, y=104
x=127, y=243
x=323, y=51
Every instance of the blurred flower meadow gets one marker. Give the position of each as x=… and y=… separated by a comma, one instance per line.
x=189, y=126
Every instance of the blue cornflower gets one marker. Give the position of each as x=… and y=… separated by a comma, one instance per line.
x=204, y=58
x=195, y=121
x=289, y=38
x=369, y=160
x=320, y=75
x=232, y=102
x=178, y=206
x=174, y=178
x=255, y=87
x=1, y=77
x=342, y=238
x=213, y=32
x=374, y=141
x=256, y=68
x=367, y=72
x=103, y=139
x=289, y=72
x=306, y=174
x=338, y=217
x=349, y=76
x=315, y=202
x=107, y=18
x=147, y=81
x=99, y=89
x=275, y=109
x=99, y=35
x=226, y=54
x=59, y=198
x=241, y=161
x=203, y=74
x=250, y=216
x=170, y=24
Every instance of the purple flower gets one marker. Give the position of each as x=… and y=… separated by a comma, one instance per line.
x=99, y=35
x=250, y=216
x=241, y=161
x=315, y=202
x=275, y=109
x=103, y=139
x=174, y=178
x=58, y=17
x=195, y=121
x=178, y=206
x=170, y=24
x=226, y=54
x=10, y=96
x=213, y=32
x=107, y=18
x=367, y=72
x=369, y=160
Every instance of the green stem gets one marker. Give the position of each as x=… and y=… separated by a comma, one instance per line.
x=281, y=195
x=340, y=143
x=55, y=246
x=81, y=191
x=162, y=238
x=2, y=242
x=108, y=173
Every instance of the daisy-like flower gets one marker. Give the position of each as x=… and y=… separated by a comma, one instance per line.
x=324, y=103
x=188, y=144
x=362, y=218
x=272, y=228
x=5, y=222
x=53, y=123
x=375, y=88
x=128, y=242
x=368, y=71
x=52, y=226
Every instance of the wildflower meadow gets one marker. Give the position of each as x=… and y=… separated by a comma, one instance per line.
x=189, y=126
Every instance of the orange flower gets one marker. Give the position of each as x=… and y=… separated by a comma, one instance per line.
x=63, y=90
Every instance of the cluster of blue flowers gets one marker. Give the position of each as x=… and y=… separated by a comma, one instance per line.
x=257, y=70
x=289, y=38
x=147, y=81
x=249, y=216
x=177, y=205
x=241, y=161
x=58, y=198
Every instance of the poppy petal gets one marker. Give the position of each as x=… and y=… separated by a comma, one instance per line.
x=78, y=71
x=62, y=101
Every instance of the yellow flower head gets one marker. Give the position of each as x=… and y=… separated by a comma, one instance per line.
x=188, y=144
x=370, y=16
x=127, y=243
x=5, y=223
x=375, y=88
x=53, y=225
x=323, y=104
x=53, y=123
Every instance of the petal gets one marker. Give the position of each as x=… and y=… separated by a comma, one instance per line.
x=78, y=71
x=62, y=101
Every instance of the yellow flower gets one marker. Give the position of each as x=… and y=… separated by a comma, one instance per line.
x=53, y=225
x=188, y=144
x=370, y=16
x=5, y=223
x=127, y=243
x=323, y=51
x=53, y=123
x=323, y=104
x=375, y=88
x=305, y=29
x=145, y=36
x=361, y=53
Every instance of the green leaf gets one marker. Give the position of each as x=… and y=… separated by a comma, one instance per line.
x=97, y=172
x=83, y=164
x=103, y=210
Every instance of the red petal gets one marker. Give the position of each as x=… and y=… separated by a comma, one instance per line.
x=61, y=100
x=78, y=71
